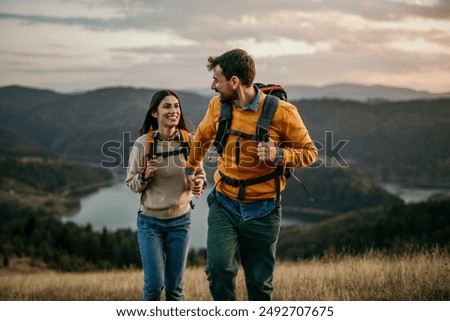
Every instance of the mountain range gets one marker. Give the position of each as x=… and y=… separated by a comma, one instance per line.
x=352, y=92
x=380, y=139
x=386, y=138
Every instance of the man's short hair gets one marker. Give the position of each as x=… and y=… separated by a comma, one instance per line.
x=236, y=62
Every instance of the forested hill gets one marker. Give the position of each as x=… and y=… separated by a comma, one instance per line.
x=385, y=139
x=48, y=184
x=392, y=229
x=76, y=126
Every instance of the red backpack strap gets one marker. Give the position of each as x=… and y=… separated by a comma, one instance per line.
x=274, y=90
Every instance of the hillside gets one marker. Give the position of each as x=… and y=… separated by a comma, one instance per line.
x=48, y=185
x=360, y=93
x=25, y=232
x=385, y=139
x=370, y=277
x=77, y=126
x=393, y=229
x=19, y=99
x=14, y=143
x=334, y=190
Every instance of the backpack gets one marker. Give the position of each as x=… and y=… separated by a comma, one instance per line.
x=274, y=90
x=152, y=143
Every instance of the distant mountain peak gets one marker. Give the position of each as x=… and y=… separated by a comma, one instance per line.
x=357, y=92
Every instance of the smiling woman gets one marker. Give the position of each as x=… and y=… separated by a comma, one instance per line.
x=156, y=173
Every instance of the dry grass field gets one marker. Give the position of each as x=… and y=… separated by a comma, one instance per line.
x=371, y=277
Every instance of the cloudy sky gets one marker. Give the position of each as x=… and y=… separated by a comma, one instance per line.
x=70, y=45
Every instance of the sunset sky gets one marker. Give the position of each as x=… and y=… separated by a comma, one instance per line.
x=70, y=45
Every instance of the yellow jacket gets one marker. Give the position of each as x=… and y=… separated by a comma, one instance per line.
x=286, y=130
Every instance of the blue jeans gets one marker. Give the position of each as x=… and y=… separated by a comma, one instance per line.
x=253, y=242
x=164, y=246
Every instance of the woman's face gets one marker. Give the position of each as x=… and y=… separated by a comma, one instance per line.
x=169, y=111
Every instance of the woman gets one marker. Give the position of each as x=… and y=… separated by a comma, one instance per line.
x=156, y=172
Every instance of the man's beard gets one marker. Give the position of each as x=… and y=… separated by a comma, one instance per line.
x=229, y=96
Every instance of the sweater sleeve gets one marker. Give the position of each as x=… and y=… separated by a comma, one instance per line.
x=298, y=148
x=200, y=171
x=204, y=135
x=135, y=167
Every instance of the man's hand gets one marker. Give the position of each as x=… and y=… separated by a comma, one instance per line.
x=197, y=188
x=267, y=151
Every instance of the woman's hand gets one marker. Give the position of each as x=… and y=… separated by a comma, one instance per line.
x=152, y=166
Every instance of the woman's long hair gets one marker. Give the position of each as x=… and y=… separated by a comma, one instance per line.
x=151, y=122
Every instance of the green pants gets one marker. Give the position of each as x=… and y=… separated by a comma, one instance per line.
x=230, y=238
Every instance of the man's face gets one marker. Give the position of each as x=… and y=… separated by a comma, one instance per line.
x=223, y=86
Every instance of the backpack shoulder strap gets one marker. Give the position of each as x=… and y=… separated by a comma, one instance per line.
x=150, y=146
x=185, y=138
x=185, y=142
x=269, y=107
x=224, y=124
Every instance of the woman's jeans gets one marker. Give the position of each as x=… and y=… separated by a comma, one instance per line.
x=253, y=241
x=164, y=246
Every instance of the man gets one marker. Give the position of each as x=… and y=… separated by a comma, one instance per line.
x=244, y=212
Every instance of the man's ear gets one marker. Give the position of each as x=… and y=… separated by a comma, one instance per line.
x=235, y=82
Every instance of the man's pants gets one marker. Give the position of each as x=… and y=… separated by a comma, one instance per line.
x=254, y=240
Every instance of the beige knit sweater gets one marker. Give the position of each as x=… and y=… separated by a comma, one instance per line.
x=167, y=195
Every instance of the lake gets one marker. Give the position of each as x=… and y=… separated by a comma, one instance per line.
x=410, y=193
x=115, y=207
